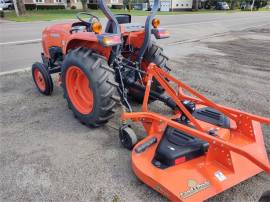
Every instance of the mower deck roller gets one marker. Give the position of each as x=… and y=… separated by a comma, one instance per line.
x=234, y=154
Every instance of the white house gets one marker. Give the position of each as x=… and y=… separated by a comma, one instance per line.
x=174, y=5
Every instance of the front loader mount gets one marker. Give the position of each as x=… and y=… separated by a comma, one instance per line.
x=211, y=156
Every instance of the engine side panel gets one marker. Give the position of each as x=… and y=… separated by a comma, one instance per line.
x=59, y=35
x=55, y=35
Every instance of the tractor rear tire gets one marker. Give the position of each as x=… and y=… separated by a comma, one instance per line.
x=154, y=54
x=89, y=86
x=42, y=78
x=265, y=197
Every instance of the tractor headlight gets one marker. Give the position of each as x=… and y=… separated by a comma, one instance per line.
x=155, y=22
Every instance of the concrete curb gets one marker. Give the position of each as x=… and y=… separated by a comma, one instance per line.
x=15, y=71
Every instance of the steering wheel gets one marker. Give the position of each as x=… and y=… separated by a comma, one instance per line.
x=92, y=17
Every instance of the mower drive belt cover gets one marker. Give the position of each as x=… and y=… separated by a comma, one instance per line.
x=176, y=147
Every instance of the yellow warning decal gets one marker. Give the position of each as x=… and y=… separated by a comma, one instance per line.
x=194, y=188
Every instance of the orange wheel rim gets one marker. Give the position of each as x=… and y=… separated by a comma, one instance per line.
x=79, y=90
x=39, y=79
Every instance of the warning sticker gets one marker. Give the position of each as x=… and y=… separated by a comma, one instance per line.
x=219, y=175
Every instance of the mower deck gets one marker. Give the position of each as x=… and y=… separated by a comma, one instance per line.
x=235, y=150
x=201, y=177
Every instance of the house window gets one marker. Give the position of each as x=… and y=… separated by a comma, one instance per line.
x=186, y=4
x=114, y=1
x=39, y=1
x=58, y=1
x=182, y=5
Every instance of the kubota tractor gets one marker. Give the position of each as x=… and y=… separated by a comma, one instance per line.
x=199, y=151
x=85, y=59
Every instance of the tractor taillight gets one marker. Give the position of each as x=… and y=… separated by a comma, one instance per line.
x=179, y=160
x=160, y=33
x=109, y=39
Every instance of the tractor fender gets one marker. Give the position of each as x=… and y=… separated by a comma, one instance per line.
x=87, y=40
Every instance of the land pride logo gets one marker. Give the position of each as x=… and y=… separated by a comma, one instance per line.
x=194, y=188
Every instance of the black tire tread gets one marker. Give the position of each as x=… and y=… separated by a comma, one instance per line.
x=97, y=66
x=47, y=77
x=154, y=54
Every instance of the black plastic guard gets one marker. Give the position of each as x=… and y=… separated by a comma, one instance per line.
x=212, y=116
x=176, y=144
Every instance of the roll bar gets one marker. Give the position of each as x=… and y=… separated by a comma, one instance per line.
x=107, y=12
x=147, y=27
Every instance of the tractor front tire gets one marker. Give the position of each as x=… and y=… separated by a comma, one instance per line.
x=42, y=78
x=89, y=86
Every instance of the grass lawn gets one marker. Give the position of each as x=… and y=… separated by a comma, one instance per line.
x=56, y=14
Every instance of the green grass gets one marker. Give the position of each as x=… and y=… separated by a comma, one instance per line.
x=57, y=14
x=46, y=15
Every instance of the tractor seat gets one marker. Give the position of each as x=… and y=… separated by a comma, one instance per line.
x=121, y=19
x=79, y=27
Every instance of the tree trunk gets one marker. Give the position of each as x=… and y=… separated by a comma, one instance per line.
x=252, y=5
x=232, y=5
x=196, y=5
x=19, y=7
x=148, y=5
x=84, y=5
x=129, y=5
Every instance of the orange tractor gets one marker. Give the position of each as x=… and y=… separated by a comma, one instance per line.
x=199, y=151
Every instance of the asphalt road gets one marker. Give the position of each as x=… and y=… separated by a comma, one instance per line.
x=20, y=42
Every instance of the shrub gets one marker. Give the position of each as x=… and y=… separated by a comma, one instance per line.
x=92, y=6
x=41, y=7
x=117, y=6
x=73, y=7
x=30, y=6
x=2, y=14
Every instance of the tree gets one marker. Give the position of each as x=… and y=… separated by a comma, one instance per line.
x=19, y=7
x=195, y=5
x=233, y=4
x=84, y=4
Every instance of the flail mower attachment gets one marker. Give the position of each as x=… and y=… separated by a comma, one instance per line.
x=201, y=150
